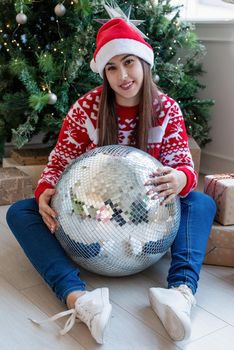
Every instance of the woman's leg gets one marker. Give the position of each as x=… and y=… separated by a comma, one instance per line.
x=43, y=249
x=48, y=257
x=173, y=305
x=189, y=247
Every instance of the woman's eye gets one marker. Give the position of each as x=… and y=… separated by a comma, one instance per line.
x=110, y=68
x=129, y=61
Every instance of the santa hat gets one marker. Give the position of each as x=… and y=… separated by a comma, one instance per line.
x=117, y=37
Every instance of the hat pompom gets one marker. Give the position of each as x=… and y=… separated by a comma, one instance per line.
x=93, y=66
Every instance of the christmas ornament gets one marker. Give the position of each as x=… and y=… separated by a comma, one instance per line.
x=156, y=78
x=52, y=98
x=60, y=10
x=154, y=2
x=108, y=223
x=21, y=18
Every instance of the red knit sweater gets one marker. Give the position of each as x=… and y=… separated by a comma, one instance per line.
x=167, y=142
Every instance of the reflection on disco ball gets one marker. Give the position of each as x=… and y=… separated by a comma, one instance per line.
x=108, y=224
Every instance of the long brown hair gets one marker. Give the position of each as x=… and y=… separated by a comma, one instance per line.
x=108, y=119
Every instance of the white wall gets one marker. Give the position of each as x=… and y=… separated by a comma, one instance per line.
x=214, y=21
x=218, y=37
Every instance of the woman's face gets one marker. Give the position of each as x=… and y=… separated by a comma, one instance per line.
x=125, y=76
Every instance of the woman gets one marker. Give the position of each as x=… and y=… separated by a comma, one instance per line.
x=127, y=109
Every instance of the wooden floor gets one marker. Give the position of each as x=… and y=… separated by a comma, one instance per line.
x=133, y=325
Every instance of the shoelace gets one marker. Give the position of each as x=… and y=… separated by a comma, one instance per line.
x=69, y=323
x=88, y=310
x=187, y=294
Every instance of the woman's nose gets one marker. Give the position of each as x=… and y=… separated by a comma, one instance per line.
x=123, y=74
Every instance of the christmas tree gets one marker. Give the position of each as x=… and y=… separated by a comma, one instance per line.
x=46, y=48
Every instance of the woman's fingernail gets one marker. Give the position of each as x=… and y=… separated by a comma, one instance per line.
x=149, y=192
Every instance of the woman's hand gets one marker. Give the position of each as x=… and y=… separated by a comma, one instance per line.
x=167, y=182
x=47, y=213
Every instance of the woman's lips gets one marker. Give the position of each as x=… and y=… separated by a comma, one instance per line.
x=127, y=86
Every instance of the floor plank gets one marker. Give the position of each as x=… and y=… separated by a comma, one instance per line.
x=134, y=325
x=3, y=211
x=14, y=265
x=222, y=339
x=18, y=332
x=222, y=272
x=217, y=297
x=131, y=293
x=125, y=332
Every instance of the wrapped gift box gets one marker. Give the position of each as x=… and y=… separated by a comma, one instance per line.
x=34, y=171
x=31, y=156
x=14, y=185
x=220, y=247
x=221, y=188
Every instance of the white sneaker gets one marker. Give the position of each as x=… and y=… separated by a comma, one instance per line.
x=92, y=308
x=173, y=307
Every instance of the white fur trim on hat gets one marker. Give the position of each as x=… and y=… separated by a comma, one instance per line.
x=119, y=47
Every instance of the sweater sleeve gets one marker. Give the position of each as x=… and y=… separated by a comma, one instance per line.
x=73, y=140
x=175, y=149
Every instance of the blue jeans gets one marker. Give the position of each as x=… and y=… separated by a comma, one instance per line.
x=63, y=276
x=188, y=249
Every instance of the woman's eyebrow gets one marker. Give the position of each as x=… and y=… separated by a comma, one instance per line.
x=109, y=64
x=125, y=57
x=122, y=59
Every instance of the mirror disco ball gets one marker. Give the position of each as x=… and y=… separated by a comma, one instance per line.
x=107, y=222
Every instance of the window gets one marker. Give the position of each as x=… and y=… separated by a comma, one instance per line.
x=200, y=10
